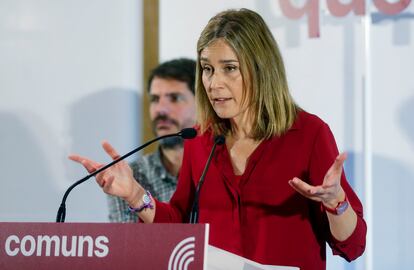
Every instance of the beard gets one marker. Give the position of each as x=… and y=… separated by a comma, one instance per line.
x=172, y=142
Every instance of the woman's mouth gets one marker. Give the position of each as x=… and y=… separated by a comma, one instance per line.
x=220, y=101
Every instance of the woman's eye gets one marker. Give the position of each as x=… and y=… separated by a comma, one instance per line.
x=207, y=69
x=230, y=68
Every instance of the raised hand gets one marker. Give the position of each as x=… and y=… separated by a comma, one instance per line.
x=330, y=192
x=117, y=180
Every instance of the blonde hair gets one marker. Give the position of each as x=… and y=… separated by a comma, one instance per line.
x=271, y=106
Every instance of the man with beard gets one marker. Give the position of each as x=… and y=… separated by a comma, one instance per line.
x=172, y=108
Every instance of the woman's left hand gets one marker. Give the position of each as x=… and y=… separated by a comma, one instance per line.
x=330, y=193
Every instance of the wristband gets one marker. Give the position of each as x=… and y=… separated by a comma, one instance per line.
x=339, y=209
x=146, y=203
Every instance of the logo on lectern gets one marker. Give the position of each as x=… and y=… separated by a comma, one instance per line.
x=182, y=255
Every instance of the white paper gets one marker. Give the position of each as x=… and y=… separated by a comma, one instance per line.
x=219, y=259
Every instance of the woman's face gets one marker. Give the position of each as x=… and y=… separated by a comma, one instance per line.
x=223, y=80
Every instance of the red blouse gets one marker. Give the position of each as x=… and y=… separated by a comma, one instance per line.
x=259, y=216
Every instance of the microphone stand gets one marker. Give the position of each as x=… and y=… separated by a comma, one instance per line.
x=218, y=140
x=61, y=214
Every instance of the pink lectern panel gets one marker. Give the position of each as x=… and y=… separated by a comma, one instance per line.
x=91, y=246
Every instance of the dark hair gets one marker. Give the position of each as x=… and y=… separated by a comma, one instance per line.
x=182, y=69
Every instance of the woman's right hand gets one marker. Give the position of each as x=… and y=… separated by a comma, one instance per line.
x=117, y=180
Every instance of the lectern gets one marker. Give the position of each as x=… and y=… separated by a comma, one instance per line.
x=90, y=246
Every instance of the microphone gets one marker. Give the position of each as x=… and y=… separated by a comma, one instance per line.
x=218, y=140
x=186, y=133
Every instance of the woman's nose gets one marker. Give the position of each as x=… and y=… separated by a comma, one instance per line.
x=215, y=81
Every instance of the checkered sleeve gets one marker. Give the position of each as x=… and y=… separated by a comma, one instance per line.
x=149, y=171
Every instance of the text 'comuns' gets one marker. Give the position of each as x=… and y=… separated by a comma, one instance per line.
x=44, y=245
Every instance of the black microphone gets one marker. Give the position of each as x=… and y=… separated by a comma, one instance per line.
x=218, y=140
x=186, y=133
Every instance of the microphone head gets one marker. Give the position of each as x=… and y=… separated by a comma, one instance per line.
x=219, y=139
x=188, y=133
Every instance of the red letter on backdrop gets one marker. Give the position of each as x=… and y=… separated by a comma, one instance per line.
x=391, y=8
x=339, y=9
x=312, y=10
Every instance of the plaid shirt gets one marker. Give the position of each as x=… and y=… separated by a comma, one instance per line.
x=151, y=174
